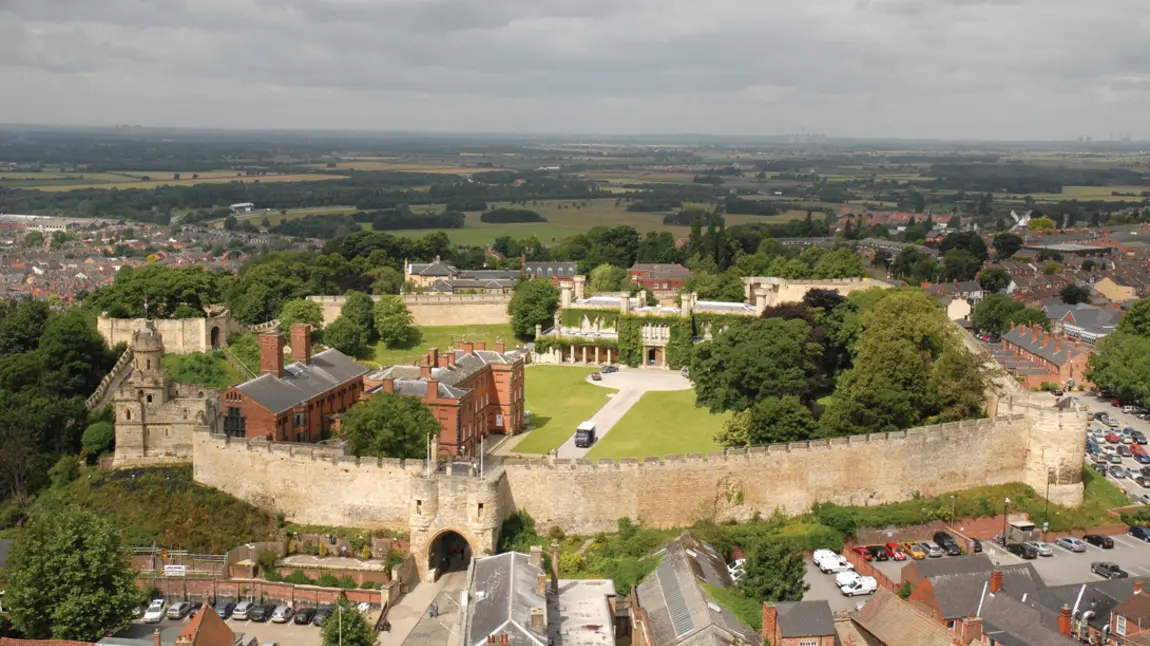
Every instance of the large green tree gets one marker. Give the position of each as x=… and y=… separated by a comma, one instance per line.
x=1136, y=320
x=770, y=420
x=997, y=312
x=359, y=309
x=534, y=303
x=1074, y=294
x=69, y=577
x=609, y=278
x=347, y=627
x=164, y=289
x=1006, y=245
x=393, y=321
x=21, y=326
x=971, y=241
x=347, y=337
x=1121, y=364
x=767, y=358
x=301, y=311
x=994, y=279
x=773, y=571
x=389, y=425
x=960, y=264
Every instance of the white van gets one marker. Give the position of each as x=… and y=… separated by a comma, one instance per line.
x=585, y=435
x=863, y=585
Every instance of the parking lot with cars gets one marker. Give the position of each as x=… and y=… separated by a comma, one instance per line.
x=270, y=623
x=1117, y=441
x=1064, y=566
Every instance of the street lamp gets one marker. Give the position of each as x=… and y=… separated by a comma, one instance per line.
x=952, y=511
x=1005, y=506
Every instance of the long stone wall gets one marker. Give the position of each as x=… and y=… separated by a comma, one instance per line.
x=180, y=336
x=437, y=309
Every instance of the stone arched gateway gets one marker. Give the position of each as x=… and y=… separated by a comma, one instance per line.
x=448, y=503
x=215, y=337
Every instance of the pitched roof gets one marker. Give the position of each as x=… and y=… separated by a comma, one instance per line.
x=1056, y=351
x=1135, y=609
x=958, y=594
x=1011, y=622
x=300, y=383
x=896, y=623
x=206, y=629
x=437, y=268
x=502, y=593
x=1097, y=597
x=552, y=269
x=805, y=618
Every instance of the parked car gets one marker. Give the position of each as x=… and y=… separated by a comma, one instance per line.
x=155, y=612
x=596, y=376
x=260, y=613
x=1144, y=471
x=1099, y=540
x=846, y=578
x=1022, y=550
x=304, y=617
x=585, y=434
x=321, y=616
x=608, y=369
x=975, y=546
x=1141, y=533
x=834, y=566
x=878, y=552
x=282, y=614
x=1129, y=409
x=1114, y=458
x=915, y=550
x=1142, y=457
x=1108, y=570
x=1043, y=548
x=179, y=610
x=225, y=609
x=1070, y=543
x=1117, y=472
x=1142, y=481
x=1124, y=451
x=821, y=554
x=864, y=585
x=242, y=610
x=932, y=549
x=1111, y=423
x=1113, y=438
x=863, y=552
x=737, y=569
x=1101, y=467
x=894, y=551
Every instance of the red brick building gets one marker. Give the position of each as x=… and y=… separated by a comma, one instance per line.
x=297, y=402
x=471, y=390
x=659, y=277
x=1034, y=356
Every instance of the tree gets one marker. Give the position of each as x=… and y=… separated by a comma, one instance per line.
x=773, y=572
x=1074, y=294
x=347, y=337
x=74, y=354
x=347, y=627
x=968, y=240
x=69, y=577
x=534, y=303
x=882, y=259
x=765, y=358
x=1041, y=224
x=960, y=264
x=386, y=280
x=609, y=278
x=770, y=420
x=301, y=312
x=840, y=263
x=1006, y=245
x=99, y=438
x=1137, y=319
x=1051, y=268
x=359, y=310
x=34, y=239
x=1121, y=364
x=22, y=325
x=389, y=425
x=393, y=321
x=997, y=312
x=994, y=279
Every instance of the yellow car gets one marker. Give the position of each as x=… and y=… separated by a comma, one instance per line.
x=914, y=550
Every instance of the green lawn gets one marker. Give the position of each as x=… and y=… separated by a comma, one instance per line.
x=202, y=369
x=559, y=398
x=444, y=337
x=661, y=423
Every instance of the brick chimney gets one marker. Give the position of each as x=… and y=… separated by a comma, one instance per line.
x=539, y=620
x=500, y=347
x=301, y=344
x=442, y=361
x=387, y=385
x=1064, y=620
x=770, y=621
x=971, y=630
x=451, y=359
x=1137, y=586
x=467, y=346
x=995, y=581
x=541, y=584
x=555, y=566
x=432, y=389
x=425, y=371
x=481, y=345
x=156, y=641
x=272, y=354
x=537, y=556
x=433, y=357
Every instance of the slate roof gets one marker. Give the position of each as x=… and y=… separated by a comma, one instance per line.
x=501, y=593
x=958, y=592
x=551, y=269
x=1098, y=596
x=1023, y=337
x=300, y=383
x=895, y=622
x=805, y=619
x=1089, y=318
x=679, y=610
x=451, y=285
x=1011, y=622
x=663, y=269
x=437, y=268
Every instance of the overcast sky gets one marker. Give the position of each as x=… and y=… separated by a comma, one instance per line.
x=964, y=69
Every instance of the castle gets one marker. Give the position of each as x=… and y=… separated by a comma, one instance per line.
x=155, y=416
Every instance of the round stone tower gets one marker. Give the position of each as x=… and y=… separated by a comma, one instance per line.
x=1053, y=465
x=148, y=378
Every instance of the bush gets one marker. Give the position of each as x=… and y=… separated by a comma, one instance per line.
x=299, y=578
x=517, y=534
x=347, y=582
x=556, y=533
x=365, y=554
x=394, y=558
x=99, y=438
x=511, y=215
x=327, y=580
x=66, y=469
x=837, y=518
x=266, y=560
x=904, y=591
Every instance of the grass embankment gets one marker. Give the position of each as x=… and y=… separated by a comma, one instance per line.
x=211, y=370
x=559, y=398
x=444, y=338
x=165, y=506
x=662, y=423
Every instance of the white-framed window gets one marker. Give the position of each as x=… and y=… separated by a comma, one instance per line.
x=1120, y=625
x=808, y=642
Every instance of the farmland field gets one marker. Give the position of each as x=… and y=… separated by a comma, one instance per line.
x=125, y=181
x=1102, y=193
x=444, y=168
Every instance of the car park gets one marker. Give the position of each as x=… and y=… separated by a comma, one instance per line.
x=1139, y=437
x=878, y=552
x=1022, y=550
x=947, y=543
x=1108, y=570
x=304, y=616
x=1124, y=451
x=1043, y=548
x=179, y=610
x=895, y=552
x=1113, y=438
x=155, y=612
x=321, y=616
x=242, y=609
x=915, y=551
x=281, y=614
x=1070, y=543
x=1141, y=457
x=225, y=609
x=1141, y=533
x=1117, y=472
x=864, y=585
x=1099, y=540
x=1114, y=458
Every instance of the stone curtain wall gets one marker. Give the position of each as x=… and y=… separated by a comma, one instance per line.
x=180, y=336
x=318, y=485
x=437, y=309
x=583, y=497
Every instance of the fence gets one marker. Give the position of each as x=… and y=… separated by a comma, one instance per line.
x=157, y=562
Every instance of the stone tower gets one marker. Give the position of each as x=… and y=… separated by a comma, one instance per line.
x=1054, y=447
x=148, y=376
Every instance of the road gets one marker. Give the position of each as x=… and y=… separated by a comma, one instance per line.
x=631, y=385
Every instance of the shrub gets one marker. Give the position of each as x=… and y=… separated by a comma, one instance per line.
x=299, y=578
x=99, y=438
x=365, y=554
x=394, y=558
x=835, y=517
x=346, y=582
x=64, y=471
x=327, y=580
x=904, y=591
x=322, y=549
x=266, y=560
x=556, y=533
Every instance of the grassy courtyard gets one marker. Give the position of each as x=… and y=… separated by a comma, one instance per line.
x=443, y=337
x=661, y=423
x=558, y=397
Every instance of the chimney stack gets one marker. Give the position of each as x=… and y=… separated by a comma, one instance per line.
x=388, y=385
x=272, y=354
x=156, y=641
x=481, y=345
x=1064, y=620
x=301, y=344
x=995, y=581
x=770, y=621
x=433, y=357
x=500, y=347
x=1137, y=586
x=972, y=630
x=541, y=584
x=539, y=620
x=537, y=556
x=451, y=359
x=555, y=566
x=425, y=371
x=432, y=389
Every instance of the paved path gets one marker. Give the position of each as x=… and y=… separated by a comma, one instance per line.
x=439, y=630
x=631, y=384
x=404, y=615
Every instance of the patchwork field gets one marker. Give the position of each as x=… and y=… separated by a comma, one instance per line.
x=444, y=168
x=661, y=423
x=559, y=398
x=1103, y=193
x=131, y=179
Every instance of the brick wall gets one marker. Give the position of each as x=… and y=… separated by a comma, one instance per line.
x=198, y=590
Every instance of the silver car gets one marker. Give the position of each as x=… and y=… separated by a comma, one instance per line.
x=932, y=549
x=1070, y=543
x=1041, y=547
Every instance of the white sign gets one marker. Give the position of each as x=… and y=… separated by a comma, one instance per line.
x=175, y=570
